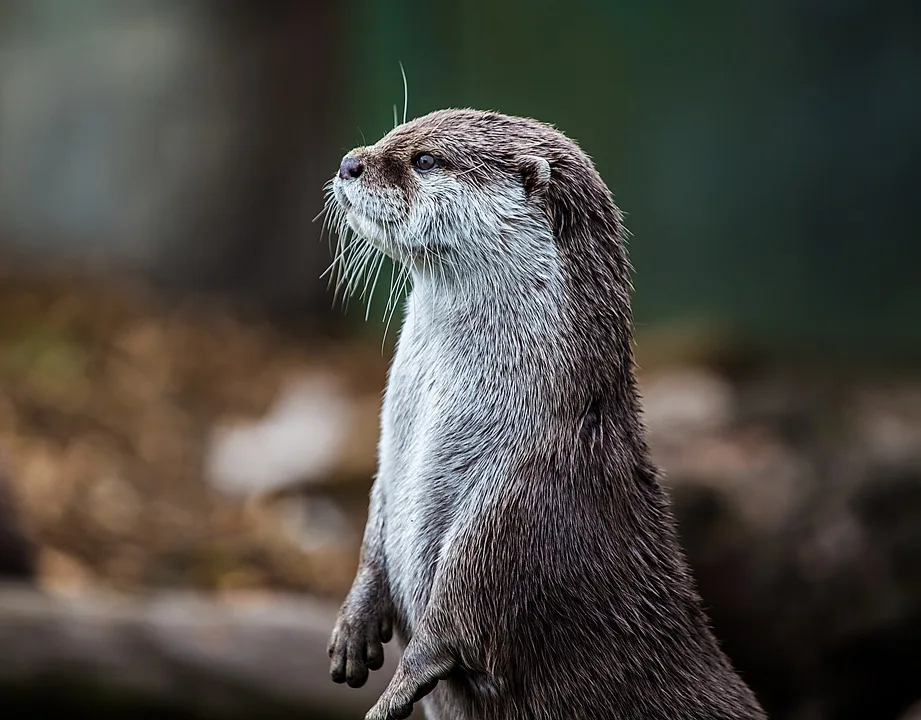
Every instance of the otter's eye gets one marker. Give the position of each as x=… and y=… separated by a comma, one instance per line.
x=423, y=162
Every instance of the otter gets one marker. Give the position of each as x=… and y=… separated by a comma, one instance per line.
x=519, y=542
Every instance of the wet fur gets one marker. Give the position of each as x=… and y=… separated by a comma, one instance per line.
x=519, y=540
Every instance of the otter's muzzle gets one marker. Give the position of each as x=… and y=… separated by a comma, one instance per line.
x=350, y=167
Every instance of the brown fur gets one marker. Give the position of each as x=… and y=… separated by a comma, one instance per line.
x=569, y=597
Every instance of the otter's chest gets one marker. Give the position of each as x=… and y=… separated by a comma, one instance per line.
x=424, y=411
x=428, y=392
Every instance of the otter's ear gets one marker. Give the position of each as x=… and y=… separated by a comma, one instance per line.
x=535, y=174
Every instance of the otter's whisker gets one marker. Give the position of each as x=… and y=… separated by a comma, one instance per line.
x=399, y=281
x=394, y=276
x=346, y=265
x=405, y=93
x=334, y=262
x=333, y=217
x=342, y=249
x=469, y=170
x=395, y=273
x=404, y=274
x=369, y=266
x=323, y=230
x=364, y=271
x=357, y=261
x=428, y=267
x=327, y=198
x=334, y=265
x=377, y=275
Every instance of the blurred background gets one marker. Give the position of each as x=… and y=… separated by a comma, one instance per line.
x=188, y=422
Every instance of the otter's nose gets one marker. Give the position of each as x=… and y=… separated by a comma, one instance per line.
x=350, y=167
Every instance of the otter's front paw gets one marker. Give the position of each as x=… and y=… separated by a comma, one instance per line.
x=425, y=661
x=357, y=643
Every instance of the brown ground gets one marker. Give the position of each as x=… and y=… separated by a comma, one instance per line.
x=108, y=396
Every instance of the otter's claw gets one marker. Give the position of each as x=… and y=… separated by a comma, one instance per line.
x=357, y=645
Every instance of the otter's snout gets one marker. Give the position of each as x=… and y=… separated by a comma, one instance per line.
x=350, y=167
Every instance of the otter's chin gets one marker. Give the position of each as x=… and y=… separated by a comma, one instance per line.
x=370, y=231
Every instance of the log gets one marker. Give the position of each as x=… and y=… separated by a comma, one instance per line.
x=223, y=658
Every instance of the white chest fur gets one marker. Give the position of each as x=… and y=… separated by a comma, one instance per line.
x=466, y=391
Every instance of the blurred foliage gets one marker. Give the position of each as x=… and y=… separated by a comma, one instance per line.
x=766, y=153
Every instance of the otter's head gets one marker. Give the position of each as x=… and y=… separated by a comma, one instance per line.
x=472, y=193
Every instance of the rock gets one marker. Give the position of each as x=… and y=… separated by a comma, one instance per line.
x=689, y=400
x=17, y=549
x=240, y=656
x=317, y=433
x=807, y=545
x=64, y=574
x=300, y=440
x=316, y=523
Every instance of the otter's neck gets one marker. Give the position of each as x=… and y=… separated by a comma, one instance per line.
x=502, y=304
x=512, y=277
